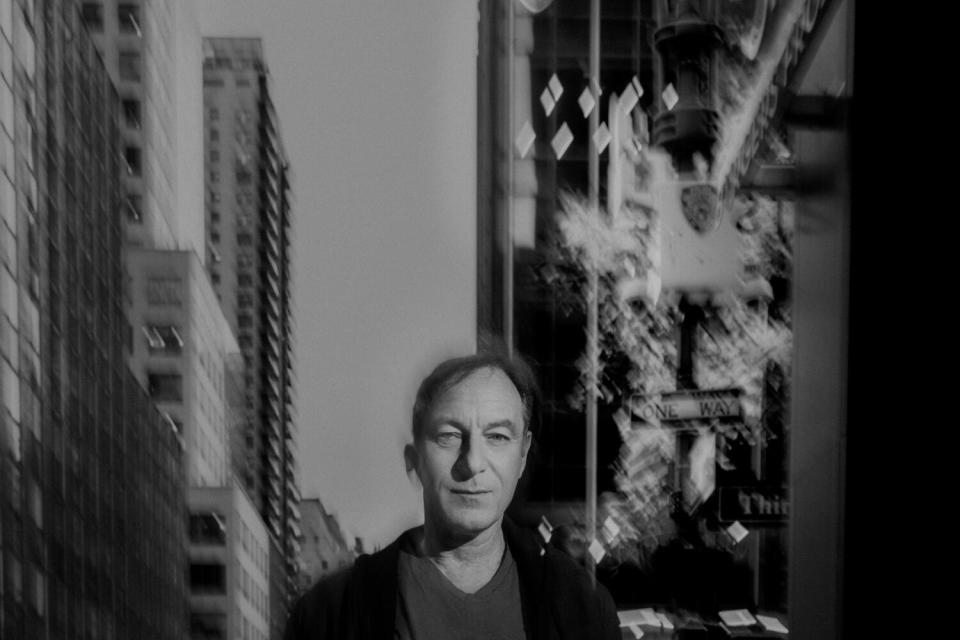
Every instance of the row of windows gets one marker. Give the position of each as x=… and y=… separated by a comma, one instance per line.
x=128, y=17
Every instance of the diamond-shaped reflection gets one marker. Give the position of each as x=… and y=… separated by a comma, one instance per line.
x=561, y=141
x=629, y=99
x=524, y=139
x=597, y=551
x=737, y=531
x=586, y=102
x=596, y=87
x=546, y=99
x=670, y=97
x=601, y=137
x=637, y=86
x=611, y=527
x=555, y=87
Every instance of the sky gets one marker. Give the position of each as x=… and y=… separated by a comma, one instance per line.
x=377, y=108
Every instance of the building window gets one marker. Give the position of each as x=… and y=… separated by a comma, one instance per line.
x=214, y=134
x=131, y=113
x=244, y=280
x=214, y=113
x=244, y=300
x=128, y=15
x=165, y=386
x=134, y=160
x=208, y=577
x=92, y=14
x=134, y=206
x=215, y=237
x=129, y=66
x=244, y=321
x=207, y=528
x=215, y=278
x=214, y=216
x=163, y=338
x=208, y=626
x=244, y=239
x=214, y=175
x=214, y=155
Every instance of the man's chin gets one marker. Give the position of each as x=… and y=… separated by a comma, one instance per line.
x=469, y=522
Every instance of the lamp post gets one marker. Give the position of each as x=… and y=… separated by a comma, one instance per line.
x=593, y=298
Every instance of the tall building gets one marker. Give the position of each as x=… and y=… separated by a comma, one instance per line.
x=248, y=232
x=325, y=550
x=92, y=514
x=229, y=565
x=152, y=51
x=181, y=350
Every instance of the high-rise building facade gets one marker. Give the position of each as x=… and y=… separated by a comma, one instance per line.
x=152, y=50
x=248, y=220
x=325, y=549
x=181, y=349
x=229, y=565
x=92, y=514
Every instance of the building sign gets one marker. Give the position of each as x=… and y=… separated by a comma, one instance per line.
x=758, y=504
x=688, y=405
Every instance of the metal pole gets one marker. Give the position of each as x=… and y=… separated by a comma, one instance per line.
x=508, y=223
x=593, y=293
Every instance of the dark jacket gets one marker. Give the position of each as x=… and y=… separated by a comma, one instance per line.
x=557, y=599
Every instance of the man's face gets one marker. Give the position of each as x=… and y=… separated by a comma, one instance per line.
x=471, y=453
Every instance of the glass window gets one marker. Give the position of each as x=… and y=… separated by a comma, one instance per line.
x=128, y=16
x=165, y=386
x=26, y=48
x=208, y=577
x=208, y=626
x=129, y=66
x=134, y=160
x=6, y=6
x=14, y=577
x=6, y=109
x=92, y=14
x=163, y=338
x=131, y=112
x=207, y=528
x=134, y=206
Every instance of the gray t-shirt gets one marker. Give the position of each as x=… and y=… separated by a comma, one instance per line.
x=430, y=607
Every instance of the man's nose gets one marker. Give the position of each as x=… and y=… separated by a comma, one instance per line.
x=473, y=458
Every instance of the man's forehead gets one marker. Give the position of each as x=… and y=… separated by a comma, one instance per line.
x=488, y=387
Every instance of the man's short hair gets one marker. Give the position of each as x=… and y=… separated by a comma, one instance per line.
x=449, y=372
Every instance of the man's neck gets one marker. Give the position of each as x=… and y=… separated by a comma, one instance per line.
x=468, y=563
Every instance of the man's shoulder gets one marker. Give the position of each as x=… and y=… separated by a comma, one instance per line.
x=327, y=608
x=580, y=606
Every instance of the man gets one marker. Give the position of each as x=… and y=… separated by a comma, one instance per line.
x=467, y=573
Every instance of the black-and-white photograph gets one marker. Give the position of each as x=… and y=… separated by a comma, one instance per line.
x=425, y=319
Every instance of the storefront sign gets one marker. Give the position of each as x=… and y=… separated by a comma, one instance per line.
x=757, y=505
x=688, y=405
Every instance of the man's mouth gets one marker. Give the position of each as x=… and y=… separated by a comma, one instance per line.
x=470, y=492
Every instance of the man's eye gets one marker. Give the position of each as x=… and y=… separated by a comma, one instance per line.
x=499, y=438
x=448, y=438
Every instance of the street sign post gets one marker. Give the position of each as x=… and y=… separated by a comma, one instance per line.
x=680, y=406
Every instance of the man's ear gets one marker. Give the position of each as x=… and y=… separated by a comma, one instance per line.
x=411, y=459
